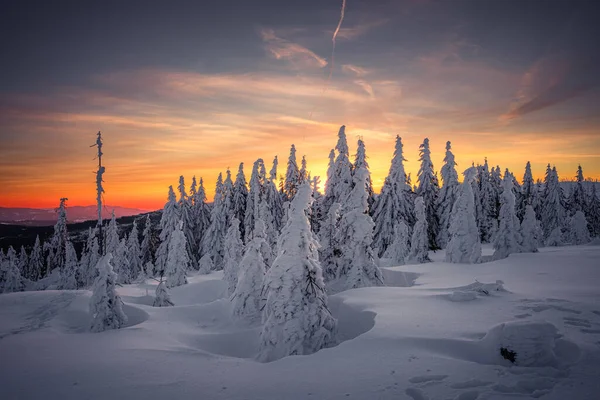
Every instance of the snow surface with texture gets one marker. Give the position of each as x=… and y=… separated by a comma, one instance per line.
x=432, y=333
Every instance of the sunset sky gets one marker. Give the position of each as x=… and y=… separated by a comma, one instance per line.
x=191, y=88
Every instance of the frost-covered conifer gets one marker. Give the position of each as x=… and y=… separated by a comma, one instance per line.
x=448, y=195
x=177, y=261
x=121, y=261
x=399, y=250
x=329, y=252
x=342, y=173
x=303, y=173
x=579, y=232
x=89, y=259
x=577, y=199
x=531, y=231
x=419, y=244
x=296, y=318
x=234, y=250
x=134, y=255
x=36, y=261
x=489, y=196
x=555, y=238
x=56, y=248
x=508, y=237
x=593, y=211
x=106, y=306
x=23, y=262
x=360, y=160
x=201, y=213
x=212, y=244
x=247, y=299
x=329, y=198
x=357, y=263
x=292, y=176
x=69, y=274
x=553, y=213
x=527, y=194
x=428, y=189
x=168, y=224
x=148, y=243
x=274, y=204
x=255, y=195
x=394, y=204
x=464, y=245
x=163, y=298
x=240, y=194
x=10, y=276
x=112, y=240
x=184, y=206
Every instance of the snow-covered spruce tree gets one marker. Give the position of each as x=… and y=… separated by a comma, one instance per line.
x=328, y=200
x=178, y=262
x=464, y=245
x=579, y=232
x=394, y=204
x=56, y=248
x=531, y=231
x=163, y=298
x=357, y=265
x=296, y=318
x=228, y=196
x=240, y=194
x=10, y=276
x=292, y=176
x=330, y=251
x=593, y=211
x=147, y=248
x=553, y=213
x=274, y=206
x=106, y=306
x=247, y=300
x=448, y=195
x=111, y=237
x=477, y=199
x=168, y=224
x=577, y=198
x=184, y=206
x=527, y=194
x=89, y=258
x=212, y=244
x=303, y=173
x=419, y=244
x=36, y=261
x=121, y=261
x=23, y=262
x=255, y=194
x=428, y=189
x=201, y=213
x=69, y=274
x=399, y=250
x=508, y=238
x=234, y=250
x=342, y=173
x=134, y=254
x=360, y=160
x=489, y=196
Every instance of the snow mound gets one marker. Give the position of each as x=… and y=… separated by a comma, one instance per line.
x=460, y=296
x=396, y=278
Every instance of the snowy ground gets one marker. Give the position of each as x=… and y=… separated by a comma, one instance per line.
x=424, y=337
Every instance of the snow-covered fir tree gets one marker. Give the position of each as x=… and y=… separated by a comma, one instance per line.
x=394, y=204
x=212, y=244
x=577, y=198
x=201, y=213
x=168, y=223
x=303, y=173
x=163, y=298
x=228, y=196
x=578, y=230
x=121, y=263
x=447, y=196
x=240, y=194
x=464, y=244
x=528, y=192
x=23, y=262
x=234, y=250
x=532, y=235
x=178, y=262
x=330, y=251
x=342, y=172
x=106, y=306
x=184, y=206
x=111, y=237
x=247, y=300
x=360, y=160
x=147, y=247
x=508, y=238
x=399, y=250
x=292, y=176
x=489, y=196
x=69, y=274
x=328, y=200
x=134, y=254
x=419, y=244
x=296, y=318
x=89, y=258
x=11, y=279
x=428, y=189
x=36, y=261
x=56, y=247
x=316, y=212
x=357, y=264
x=553, y=213
x=593, y=211
x=255, y=195
x=274, y=204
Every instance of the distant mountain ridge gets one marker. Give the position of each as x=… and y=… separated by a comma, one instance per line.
x=48, y=216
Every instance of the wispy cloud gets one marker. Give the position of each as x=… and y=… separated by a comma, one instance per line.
x=353, y=32
x=297, y=54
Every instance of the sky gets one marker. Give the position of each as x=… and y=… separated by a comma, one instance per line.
x=195, y=87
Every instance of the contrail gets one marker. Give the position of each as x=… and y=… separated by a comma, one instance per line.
x=335, y=33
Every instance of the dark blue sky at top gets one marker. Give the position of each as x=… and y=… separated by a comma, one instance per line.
x=64, y=42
